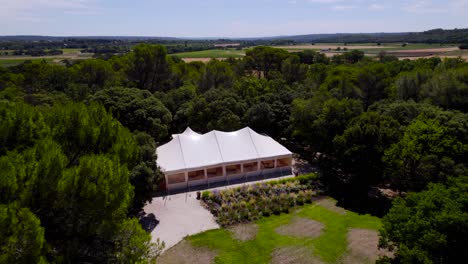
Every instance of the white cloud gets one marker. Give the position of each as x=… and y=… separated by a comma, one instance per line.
x=343, y=7
x=32, y=11
x=423, y=7
x=436, y=7
x=324, y=1
x=375, y=6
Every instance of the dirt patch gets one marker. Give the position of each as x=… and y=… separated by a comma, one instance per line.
x=330, y=204
x=204, y=60
x=244, y=232
x=426, y=50
x=363, y=247
x=293, y=255
x=301, y=227
x=185, y=253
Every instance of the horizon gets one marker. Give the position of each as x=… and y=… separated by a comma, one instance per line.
x=219, y=37
x=224, y=19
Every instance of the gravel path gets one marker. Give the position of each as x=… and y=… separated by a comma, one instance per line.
x=179, y=215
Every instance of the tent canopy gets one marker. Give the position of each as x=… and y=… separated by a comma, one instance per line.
x=190, y=150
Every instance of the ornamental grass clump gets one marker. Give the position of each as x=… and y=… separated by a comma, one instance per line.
x=251, y=202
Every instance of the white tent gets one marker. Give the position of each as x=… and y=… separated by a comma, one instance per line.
x=191, y=158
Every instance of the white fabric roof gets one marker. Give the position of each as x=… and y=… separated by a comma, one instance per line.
x=188, y=132
x=190, y=150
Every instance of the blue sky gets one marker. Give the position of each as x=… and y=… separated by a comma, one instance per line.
x=222, y=18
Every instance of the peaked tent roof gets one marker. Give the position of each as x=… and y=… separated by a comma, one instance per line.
x=190, y=150
x=188, y=132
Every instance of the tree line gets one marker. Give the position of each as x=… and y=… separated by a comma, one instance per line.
x=78, y=142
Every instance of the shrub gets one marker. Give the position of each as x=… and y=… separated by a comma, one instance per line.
x=300, y=198
x=248, y=203
x=463, y=46
x=206, y=195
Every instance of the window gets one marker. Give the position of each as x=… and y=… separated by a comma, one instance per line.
x=176, y=178
x=267, y=164
x=214, y=172
x=251, y=166
x=196, y=175
x=284, y=162
x=233, y=169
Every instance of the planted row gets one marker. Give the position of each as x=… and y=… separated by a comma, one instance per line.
x=249, y=203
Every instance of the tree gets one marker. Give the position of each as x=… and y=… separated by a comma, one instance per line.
x=342, y=82
x=96, y=74
x=372, y=81
x=137, y=110
x=145, y=176
x=260, y=117
x=353, y=56
x=408, y=85
x=92, y=198
x=293, y=70
x=263, y=61
x=319, y=125
x=21, y=236
x=384, y=57
x=217, y=74
x=448, y=89
x=430, y=226
x=76, y=179
x=426, y=153
x=148, y=67
x=20, y=126
x=83, y=130
x=359, y=150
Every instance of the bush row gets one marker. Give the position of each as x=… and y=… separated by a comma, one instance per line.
x=251, y=202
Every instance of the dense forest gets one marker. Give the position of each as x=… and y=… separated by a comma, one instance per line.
x=77, y=143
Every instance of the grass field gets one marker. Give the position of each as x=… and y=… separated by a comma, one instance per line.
x=70, y=54
x=330, y=246
x=14, y=62
x=214, y=53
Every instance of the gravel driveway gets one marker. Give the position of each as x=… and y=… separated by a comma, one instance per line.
x=179, y=215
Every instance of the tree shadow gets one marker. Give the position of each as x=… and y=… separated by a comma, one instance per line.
x=149, y=222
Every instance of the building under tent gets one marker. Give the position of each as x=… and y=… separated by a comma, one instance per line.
x=191, y=159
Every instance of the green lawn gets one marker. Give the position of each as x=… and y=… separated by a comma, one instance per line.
x=329, y=246
x=215, y=53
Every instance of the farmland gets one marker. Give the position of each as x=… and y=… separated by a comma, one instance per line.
x=400, y=50
x=409, y=50
x=68, y=54
x=213, y=53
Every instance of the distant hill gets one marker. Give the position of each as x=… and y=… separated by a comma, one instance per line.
x=430, y=36
x=54, y=38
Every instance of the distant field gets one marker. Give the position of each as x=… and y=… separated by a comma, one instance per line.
x=14, y=62
x=368, y=47
x=71, y=50
x=331, y=46
x=410, y=50
x=215, y=53
x=70, y=54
